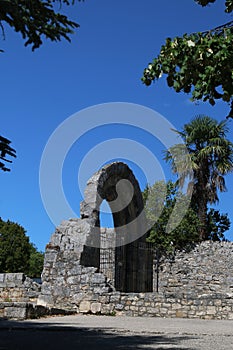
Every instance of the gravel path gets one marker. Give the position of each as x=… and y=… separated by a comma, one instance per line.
x=122, y=333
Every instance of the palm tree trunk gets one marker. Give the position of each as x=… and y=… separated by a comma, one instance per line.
x=202, y=200
x=202, y=215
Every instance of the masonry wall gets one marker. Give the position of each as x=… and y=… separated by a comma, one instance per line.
x=198, y=284
x=16, y=287
x=213, y=306
x=206, y=270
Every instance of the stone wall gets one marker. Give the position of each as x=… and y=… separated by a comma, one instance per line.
x=16, y=287
x=65, y=279
x=198, y=284
x=212, y=306
x=24, y=310
x=205, y=270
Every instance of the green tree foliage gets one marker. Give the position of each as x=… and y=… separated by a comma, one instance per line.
x=36, y=262
x=200, y=63
x=211, y=157
x=35, y=19
x=159, y=207
x=228, y=4
x=217, y=224
x=5, y=150
x=14, y=248
x=17, y=254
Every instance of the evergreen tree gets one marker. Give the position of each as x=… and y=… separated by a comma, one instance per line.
x=14, y=247
x=17, y=254
x=36, y=262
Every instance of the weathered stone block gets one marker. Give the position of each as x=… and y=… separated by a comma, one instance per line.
x=17, y=313
x=176, y=306
x=50, y=256
x=98, y=278
x=107, y=309
x=85, y=306
x=96, y=308
x=115, y=298
x=119, y=307
x=2, y=277
x=73, y=280
x=181, y=314
x=75, y=270
x=45, y=300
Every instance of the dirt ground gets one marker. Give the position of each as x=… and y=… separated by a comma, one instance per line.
x=122, y=333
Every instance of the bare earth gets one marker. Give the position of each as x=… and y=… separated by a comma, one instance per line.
x=122, y=333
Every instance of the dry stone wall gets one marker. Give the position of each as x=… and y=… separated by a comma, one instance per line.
x=198, y=284
x=159, y=305
x=65, y=280
x=16, y=287
x=206, y=270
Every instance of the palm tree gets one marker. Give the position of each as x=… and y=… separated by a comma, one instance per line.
x=211, y=158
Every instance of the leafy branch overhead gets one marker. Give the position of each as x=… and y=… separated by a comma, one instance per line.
x=200, y=63
x=35, y=18
x=228, y=4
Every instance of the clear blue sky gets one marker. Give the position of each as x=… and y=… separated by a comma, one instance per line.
x=103, y=63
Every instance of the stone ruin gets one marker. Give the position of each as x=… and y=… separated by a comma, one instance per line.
x=89, y=269
x=83, y=260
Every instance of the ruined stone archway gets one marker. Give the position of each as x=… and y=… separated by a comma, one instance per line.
x=102, y=185
x=72, y=258
x=133, y=262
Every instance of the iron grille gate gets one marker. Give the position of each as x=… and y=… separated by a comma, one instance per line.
x=128, y=267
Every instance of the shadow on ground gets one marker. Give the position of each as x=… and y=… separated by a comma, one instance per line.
x=24, y=336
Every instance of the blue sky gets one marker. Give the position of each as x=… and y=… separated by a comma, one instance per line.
x=103, y=63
